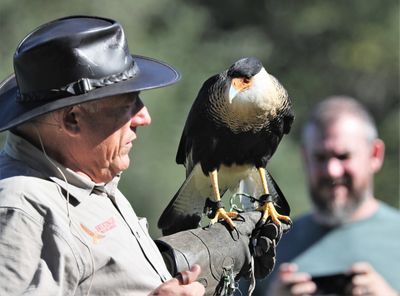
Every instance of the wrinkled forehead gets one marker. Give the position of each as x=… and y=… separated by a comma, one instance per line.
x=345, y=133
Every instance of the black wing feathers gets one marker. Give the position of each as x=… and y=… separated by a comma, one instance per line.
x=194, y=123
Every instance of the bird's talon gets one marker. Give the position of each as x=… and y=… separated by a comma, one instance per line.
x=277, y=222
x=239, y=217
x=221, y=214
x=269, y=212
x=237, y=233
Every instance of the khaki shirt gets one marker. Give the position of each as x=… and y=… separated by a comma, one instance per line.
x=61, y=234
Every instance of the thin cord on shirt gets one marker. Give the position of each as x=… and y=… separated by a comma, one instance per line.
x=67, y=206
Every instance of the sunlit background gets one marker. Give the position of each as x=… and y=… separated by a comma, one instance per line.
x=315, y=48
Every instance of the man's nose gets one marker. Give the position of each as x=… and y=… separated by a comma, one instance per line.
x=141, y=118
x=334, y=168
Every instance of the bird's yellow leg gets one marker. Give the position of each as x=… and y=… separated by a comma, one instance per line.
x=268, y=209
x=220, y=212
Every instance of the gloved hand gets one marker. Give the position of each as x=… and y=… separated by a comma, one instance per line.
x=263, y=243
x=224, y=255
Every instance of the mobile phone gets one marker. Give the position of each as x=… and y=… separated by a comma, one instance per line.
x=333, y=284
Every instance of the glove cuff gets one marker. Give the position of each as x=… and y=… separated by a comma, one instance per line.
x=220, y=257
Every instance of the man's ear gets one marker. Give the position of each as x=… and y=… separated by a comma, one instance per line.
x=378, y=154
x=70, y=120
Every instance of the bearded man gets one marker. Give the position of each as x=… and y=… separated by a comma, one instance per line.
x=350, y=237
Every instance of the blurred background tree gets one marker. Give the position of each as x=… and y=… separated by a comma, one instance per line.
x=315, y=48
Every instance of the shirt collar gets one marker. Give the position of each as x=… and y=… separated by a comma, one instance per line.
x=47, y=168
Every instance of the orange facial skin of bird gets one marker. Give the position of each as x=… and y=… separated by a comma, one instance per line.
x=241, y=83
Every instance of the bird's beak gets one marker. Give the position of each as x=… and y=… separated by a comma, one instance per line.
x=238, y=85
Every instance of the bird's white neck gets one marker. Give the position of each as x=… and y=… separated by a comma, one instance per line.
x=247, y=110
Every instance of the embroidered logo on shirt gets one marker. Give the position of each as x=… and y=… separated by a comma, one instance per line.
x=100, y=229
x=106, y=225
x=93, y=234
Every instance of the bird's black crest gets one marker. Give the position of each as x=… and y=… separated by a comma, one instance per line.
x=246, y=67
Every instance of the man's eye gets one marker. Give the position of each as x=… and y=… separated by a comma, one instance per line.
x=343, y=156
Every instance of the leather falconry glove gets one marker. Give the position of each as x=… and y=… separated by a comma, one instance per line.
x=224, y=255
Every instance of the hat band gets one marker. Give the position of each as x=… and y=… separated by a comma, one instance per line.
x=82, y=86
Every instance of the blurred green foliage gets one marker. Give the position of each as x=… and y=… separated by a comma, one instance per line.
x=315, y=48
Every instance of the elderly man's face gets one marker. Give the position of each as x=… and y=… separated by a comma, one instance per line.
x=339, y=165
x=107, y=130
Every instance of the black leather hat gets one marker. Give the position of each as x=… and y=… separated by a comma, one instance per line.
x=74, y=60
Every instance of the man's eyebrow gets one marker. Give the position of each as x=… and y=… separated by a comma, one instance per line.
x=343, y=155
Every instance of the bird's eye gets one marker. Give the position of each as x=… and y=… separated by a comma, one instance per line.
x=246, y=80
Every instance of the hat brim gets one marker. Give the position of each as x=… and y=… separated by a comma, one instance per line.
x=153, y=74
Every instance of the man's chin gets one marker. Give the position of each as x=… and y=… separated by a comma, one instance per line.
x=332, y=217
x=337, y=212
x=121, y=165
x=337, y=192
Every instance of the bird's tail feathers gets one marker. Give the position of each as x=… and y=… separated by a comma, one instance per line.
x=185, y=209
x=251, y=187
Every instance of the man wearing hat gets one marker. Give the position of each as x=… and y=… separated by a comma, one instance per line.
x=72, y=108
